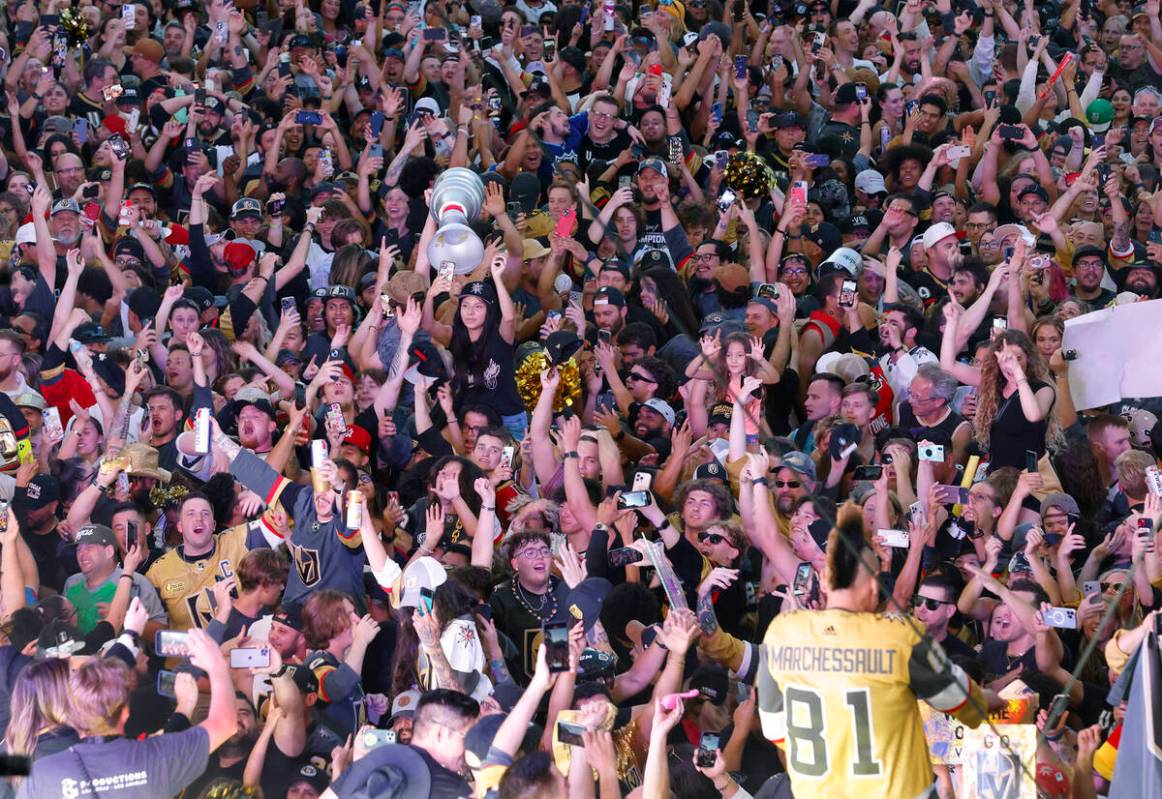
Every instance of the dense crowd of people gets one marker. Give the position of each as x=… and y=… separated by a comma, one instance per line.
x=739, y=458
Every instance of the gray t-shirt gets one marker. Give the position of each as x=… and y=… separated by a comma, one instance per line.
x=120, y=768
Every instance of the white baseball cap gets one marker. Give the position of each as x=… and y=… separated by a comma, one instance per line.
x=26, y=234
x=421, y=573
x=870, y=181
x=937, y=233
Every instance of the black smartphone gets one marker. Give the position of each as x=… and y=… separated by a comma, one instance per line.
x=868, y=472
x=300, y=395
x=633, y=499
x=199, y=96
x=570, y=734
x=165, y=684
x=1146, y=532
x=1031, y=460
x=990, y=98
x=624, y=556
x=130, y=536
x=335, y=355
x=309, y=118
x=1011, y=132
x=556, y=638
x=91, y=192
x=707, y=752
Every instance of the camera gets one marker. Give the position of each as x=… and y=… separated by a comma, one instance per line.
x=931, y=452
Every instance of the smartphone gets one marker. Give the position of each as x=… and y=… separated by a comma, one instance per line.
x=707, y=753
x=1061, y=618
x=725, y=200
x=118, y=146
x=799, y=193
x=634, y=499
x=675, y=150
x=605, y=337
x=249, y=657
x=897, y=539
x=129, y=16
x=53, y=430
x=716, y=111
x=861, y=91
x=564, y=227
x=1011, y=132
x=1091, y=587
x=335, y=354
x=81, y=129
x=576, y=298
x=556, y=638
x=625, y=181
x=506, y=456
x=802, y=579
x=951, y=495
x=514, y=209
x=1146, y=532
x=624, y=556
x=308, y=118
x=752, y=121
x=375, y=150
x=202, y=432
x=817, y=160
x=959, y=151
x=447, y=269
x=911, y=106
x=474, y=21
x=375, y=738
x=1000, y=323
x=550, y=49
x=166, y=680
x=642, y=481
x=1031, y=460
x=740, y=67
x=426, y=595
x=868, y=472
x=284, y=66
x=436, y=34
x=171, y=643
x=818, y=42
x=570, y=734
x=847, y=294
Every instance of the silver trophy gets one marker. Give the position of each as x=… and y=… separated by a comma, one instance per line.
x=457, y=197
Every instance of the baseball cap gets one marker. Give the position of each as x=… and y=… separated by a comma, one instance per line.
x=247, y=206
x=798, y=462
x=428, y=104
x=90, y=333
x=359, y=438
x=315, y=777
x=149, y=49
x=250, y=395
x=406, y=284
x=789, y=119
x=711, y=471
x=712, y=682
x=404, y=705
x=662, y=408
x=97, y=534
x=61, y=206
x=936, y=233
x=1089, y=250
x=1058, y=499
x=421, y=573
x=29, y=399
x=1099, y=114
x=608, y=295
x=656, y=164
x=59, y=639
x=26, y=234
x=869, y=181
x=42, y=490
x=238, y=256
x=844, y=259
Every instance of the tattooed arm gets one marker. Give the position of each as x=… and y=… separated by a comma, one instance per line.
x=719, y=578
x=706, y=618
x=428, y=629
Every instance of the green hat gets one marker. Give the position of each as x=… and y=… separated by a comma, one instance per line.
x=1099, y=114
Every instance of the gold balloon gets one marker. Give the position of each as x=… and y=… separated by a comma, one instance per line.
x=528, y=382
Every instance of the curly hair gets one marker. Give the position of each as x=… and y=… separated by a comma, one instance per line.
x=992, y=383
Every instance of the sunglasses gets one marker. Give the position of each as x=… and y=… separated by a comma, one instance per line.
x=640, y=378
x=711, y=538
x=1105, y=587
x=787, y=484
x=928, y=602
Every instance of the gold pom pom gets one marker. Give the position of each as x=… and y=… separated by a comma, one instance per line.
x=749, y=174
x=528, y=382
x=75, y=25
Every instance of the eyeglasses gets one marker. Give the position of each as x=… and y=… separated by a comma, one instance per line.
x=1108, y=587
x=979, y=225
x=706, y=256
x=902, y=210
x=130, y=262
x=534, y=553
x=787, y=484
x=793, y=272
x=928, y=602
x=640, y=378
x=714, y=539
x=600, y=115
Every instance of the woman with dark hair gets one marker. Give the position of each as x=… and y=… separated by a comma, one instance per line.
x=482, y=340
x=450, y=487
x=659, y=284
x=452, y=617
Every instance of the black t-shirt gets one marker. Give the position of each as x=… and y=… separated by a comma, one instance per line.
x=493, y=381
x=1012, y=434
x=523, y=627
x=591, y=151
x=445, y=783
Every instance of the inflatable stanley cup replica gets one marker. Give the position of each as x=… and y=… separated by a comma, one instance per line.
x=457, y=197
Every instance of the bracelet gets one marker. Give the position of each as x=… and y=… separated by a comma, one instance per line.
x=387, y=118
x=759, y=481
x=572, y=454
x=485, y=507
x=282, y=670
x=126, y=575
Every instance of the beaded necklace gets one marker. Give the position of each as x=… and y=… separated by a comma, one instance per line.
x=519, y=592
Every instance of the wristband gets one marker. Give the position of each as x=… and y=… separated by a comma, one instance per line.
x=126, y=576
x=486, y=507
x=282, y=670
x=572, y=454
x=759, y=481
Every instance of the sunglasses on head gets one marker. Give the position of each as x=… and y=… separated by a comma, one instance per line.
x=711, y=538
x=928, y=602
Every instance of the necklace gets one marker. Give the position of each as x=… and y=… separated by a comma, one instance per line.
x=519, y=592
